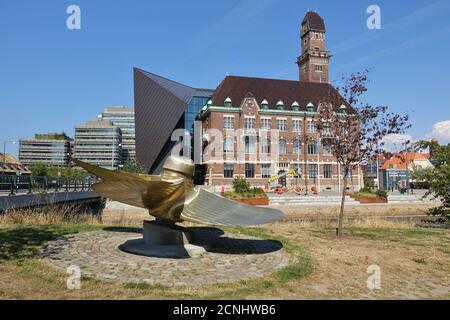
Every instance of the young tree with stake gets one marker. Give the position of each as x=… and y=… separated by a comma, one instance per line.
x=354, y=130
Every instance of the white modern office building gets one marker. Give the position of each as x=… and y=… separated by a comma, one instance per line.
x=123, y=117
x=51, y=149
x=99, y=142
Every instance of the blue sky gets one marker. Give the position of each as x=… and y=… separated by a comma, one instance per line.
x=53, y=78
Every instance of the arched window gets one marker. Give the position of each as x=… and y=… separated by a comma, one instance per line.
x=282, y=146
x=265, y=146
x=297, y=146
x=327, y=151
x=312, y=147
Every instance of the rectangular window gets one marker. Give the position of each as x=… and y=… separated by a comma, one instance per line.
x=312, y=127
x=228, y=170
x=228, y=145
x=312, y=170
x=327, y=171
x=281, y=125
x=266, y=124
x=249, y=170
x=318, y=68
x=249, y=123
x=297, y=125
x=228, y=122
x=266, y=170
x=250, y=144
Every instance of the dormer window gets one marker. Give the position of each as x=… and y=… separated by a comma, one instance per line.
x=295, y=106
x=265, y=104
x=280, y=105
x=209, y=102
x=228, y=102
x=343, y=108
x=310, y=107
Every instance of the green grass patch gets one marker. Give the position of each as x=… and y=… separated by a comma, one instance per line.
x=420, y=260
x=365, y=195
x=23, y=241
x=391, y=234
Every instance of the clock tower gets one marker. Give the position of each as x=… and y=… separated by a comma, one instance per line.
x=314, y=60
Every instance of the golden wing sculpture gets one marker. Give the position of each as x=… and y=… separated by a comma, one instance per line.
x=171, y=197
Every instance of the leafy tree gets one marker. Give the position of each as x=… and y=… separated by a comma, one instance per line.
x=39, y=169
x=354, y=130
x=438, y=178
x=241, y=185
x=133, y=166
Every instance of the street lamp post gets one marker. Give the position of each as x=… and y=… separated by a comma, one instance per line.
x=4, y=154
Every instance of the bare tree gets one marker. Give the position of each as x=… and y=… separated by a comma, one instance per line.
x=354, y=130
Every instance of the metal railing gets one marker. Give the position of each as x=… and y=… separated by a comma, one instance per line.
x=12, y=185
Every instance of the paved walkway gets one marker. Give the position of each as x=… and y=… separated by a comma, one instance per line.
x=229, y=258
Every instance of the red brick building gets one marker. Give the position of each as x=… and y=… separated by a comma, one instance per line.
x=275, y=115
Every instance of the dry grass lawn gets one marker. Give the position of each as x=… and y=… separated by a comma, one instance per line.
x=414, y=264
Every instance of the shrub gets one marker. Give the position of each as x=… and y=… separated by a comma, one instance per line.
x=241, y=185
x=381, y=193
x=134, y=166
x=366, y=190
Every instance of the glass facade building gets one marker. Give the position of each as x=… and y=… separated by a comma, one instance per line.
x=193, y=108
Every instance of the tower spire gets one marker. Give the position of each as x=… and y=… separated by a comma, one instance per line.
x=313, y=61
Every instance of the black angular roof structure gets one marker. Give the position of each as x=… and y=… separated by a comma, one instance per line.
x=160, y=104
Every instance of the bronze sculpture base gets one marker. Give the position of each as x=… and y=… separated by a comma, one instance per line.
x=163, y=240
x=161, y=233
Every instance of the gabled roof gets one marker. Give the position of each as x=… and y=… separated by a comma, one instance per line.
x=314, y=22
x=402, y=161
x=272, y=90
x=12, y=165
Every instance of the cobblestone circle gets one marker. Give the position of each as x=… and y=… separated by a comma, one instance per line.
x=228, y=258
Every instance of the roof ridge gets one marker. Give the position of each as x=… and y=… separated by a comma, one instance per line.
x=260, y=78
x=159, y=76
